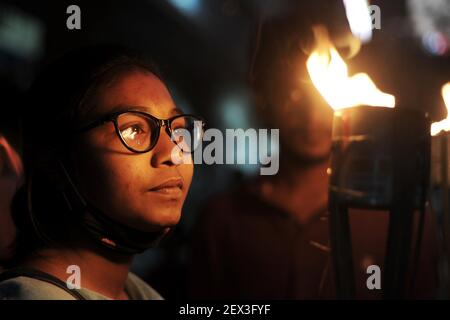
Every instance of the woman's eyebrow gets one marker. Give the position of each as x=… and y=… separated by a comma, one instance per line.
x=122, y=107
x=176, y=111
x=118, y=108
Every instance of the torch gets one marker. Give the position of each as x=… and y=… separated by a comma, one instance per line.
x=440, y=178
x=377, y=163
x=379, y=160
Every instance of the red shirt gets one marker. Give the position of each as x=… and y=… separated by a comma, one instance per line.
x=247, y=248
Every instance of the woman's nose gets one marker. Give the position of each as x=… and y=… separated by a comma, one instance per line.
x=162, y=152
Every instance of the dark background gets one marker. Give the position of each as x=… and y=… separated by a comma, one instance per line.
x=203, y=48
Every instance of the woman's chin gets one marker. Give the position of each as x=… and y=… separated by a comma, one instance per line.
x=154, y=220
x=164, y=219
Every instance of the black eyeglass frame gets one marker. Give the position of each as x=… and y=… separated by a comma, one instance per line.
x=167, y=123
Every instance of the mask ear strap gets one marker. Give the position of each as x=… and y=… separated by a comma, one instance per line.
x=29, y=193
x=104, y=229
x=72, y=184
x=92, y=220
x=35, y=223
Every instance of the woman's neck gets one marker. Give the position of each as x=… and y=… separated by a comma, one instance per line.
x=98, y=272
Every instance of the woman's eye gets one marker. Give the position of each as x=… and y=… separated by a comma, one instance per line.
x=179, y=132
x=131, y=131
x=178, y=128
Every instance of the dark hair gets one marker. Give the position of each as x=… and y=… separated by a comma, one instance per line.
x=56, y=104
x=279, y=39
x=278, y=43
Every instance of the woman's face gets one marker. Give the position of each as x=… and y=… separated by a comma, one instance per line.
x=146, y=190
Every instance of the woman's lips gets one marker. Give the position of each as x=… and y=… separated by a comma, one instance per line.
x=172, y=187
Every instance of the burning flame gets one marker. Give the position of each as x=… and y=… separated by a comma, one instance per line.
x=443, y=125
x=329, y=74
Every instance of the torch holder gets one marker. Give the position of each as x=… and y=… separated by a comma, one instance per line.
x=440, y=200
x=380, y=160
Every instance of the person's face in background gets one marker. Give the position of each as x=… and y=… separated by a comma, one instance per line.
x=127, y=185
x=298, y=110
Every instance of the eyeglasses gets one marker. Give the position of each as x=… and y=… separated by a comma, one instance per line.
x=139, y=131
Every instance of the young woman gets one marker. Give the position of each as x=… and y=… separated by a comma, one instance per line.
x=101, y=180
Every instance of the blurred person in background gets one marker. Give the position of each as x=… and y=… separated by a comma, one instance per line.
x=268, y=238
